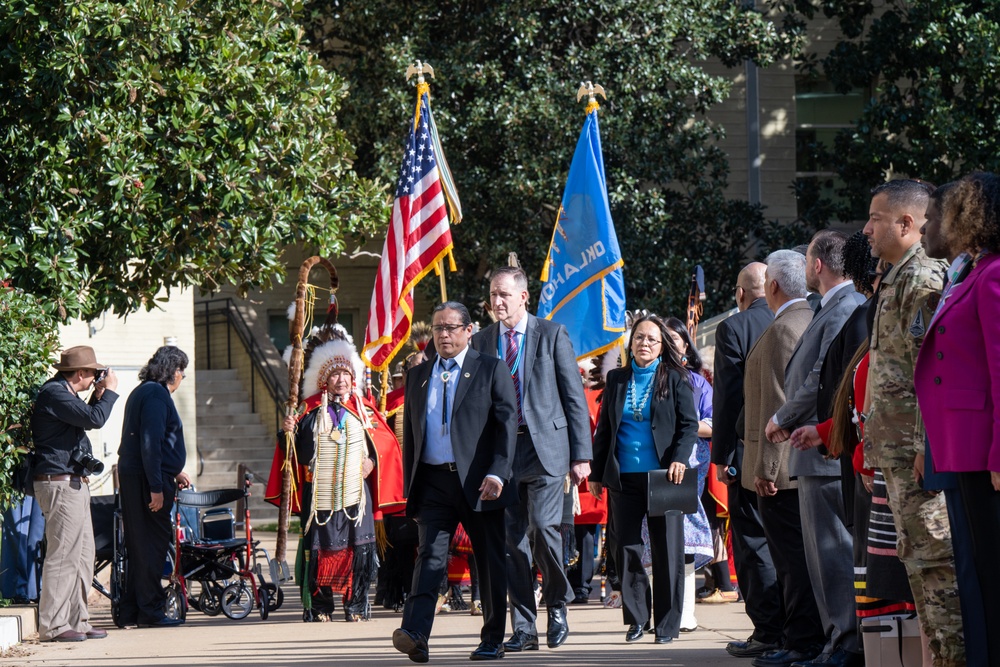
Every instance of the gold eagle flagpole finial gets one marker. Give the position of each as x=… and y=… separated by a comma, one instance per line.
x=419, y=69
x=590, y=90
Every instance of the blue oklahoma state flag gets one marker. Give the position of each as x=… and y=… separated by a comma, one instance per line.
x=584, y=288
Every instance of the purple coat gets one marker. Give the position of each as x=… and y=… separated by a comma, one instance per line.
x=957, y=375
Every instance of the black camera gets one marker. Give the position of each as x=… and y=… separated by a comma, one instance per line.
x=86, y=461
x=101, y=374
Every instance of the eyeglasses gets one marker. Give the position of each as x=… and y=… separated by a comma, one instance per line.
x=640, y=339
x=450, y=328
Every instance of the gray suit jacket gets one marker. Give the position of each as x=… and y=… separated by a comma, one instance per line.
x=802, y=379
x=764, y=392
x=553, y=402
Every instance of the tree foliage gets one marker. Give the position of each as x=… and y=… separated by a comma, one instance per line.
x=147, y=144
x=929, y=70
x=28, y=341
x=505, y=103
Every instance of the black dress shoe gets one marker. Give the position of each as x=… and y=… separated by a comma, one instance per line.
x=786, y=657
x=581, y=598
x=839, y=658
x=521, y=641
x=413, y=644
x=662, y=639
x=488, y=651
x=751, y=648
x=558, y=629
x=634, y=633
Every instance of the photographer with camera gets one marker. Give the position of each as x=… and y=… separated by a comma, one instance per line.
x=150, y=461
x=63, y=462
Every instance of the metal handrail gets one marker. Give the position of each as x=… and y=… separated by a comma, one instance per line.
x=236, y=322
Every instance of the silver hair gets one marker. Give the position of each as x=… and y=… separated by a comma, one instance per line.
x=788, y=269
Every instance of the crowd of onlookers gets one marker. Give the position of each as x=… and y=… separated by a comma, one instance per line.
x=851, y=415
x=865, y=374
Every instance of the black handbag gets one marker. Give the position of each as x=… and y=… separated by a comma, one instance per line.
x=664, y=495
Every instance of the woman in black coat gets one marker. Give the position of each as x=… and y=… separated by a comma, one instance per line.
x=150, y=468
x=647, y=422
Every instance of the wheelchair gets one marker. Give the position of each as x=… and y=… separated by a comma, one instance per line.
x=109, y=550
x=228, y=569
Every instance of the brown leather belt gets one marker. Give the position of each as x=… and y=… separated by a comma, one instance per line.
x=56, y=478
x=448, y=467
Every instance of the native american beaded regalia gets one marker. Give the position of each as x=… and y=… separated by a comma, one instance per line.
x=337, y=504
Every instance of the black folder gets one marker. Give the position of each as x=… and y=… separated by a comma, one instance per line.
x=664, y=495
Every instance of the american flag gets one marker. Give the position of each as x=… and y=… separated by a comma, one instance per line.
x=419, y=238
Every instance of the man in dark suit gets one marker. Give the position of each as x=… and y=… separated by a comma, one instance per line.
x=828, y=542
x=458, y=445
x=734, y=338
x=765, y=463
x=553, y=439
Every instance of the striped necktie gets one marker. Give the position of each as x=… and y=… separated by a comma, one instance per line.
x=511, y=358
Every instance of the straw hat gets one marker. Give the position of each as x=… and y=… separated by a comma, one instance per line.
x=81, y=356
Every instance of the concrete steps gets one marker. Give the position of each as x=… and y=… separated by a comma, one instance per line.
x=229, y=434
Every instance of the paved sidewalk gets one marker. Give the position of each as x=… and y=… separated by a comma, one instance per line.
x=597, y=637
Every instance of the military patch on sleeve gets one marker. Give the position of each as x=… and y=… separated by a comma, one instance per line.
x=933, y=300
x=917, y=329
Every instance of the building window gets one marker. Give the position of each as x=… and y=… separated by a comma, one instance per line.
x=277, y=327
x=821, y=112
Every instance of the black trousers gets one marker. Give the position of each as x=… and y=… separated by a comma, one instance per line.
x=780, y=515
x=754, y=566
x=581, y=576
x=666, y=545
x=442, y=504
x=982, y=510
x=147, y=540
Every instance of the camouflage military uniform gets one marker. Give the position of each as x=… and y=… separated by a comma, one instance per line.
x=894, y=435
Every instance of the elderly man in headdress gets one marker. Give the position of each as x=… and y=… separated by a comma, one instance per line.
x=337, y=455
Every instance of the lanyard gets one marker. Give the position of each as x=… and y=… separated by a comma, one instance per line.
x=502, y=354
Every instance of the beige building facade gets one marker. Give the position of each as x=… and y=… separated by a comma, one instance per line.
x=126, y=344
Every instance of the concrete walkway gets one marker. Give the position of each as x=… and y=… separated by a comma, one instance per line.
x=597, y=637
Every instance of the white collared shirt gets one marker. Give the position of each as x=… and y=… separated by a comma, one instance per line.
x=833, y=291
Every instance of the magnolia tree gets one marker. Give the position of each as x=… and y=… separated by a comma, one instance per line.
x=928, y=73
x=504, y=99
x=151, y=144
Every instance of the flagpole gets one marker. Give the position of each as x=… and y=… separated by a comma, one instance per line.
x=444, y=284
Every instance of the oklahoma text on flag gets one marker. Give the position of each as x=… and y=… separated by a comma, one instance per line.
x=584, y=288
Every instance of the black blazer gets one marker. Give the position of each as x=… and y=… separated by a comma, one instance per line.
x=734, y=338
x=841, y=350
x=674, y=421
x=483, y=429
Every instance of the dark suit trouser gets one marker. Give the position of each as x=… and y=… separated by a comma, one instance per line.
x=980, y=535
x=442, y=505
x=581, y=576
x=533, y=532
x=830, y=555
x=782, y=524
x=754, y=566
x=666, y=546
x=147, y=541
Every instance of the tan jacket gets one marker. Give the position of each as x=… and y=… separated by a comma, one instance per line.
x=764, y=393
